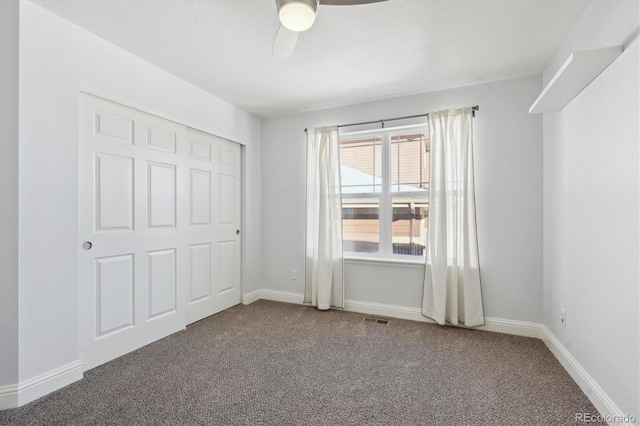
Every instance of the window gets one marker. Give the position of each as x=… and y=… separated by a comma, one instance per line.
x=385, y=191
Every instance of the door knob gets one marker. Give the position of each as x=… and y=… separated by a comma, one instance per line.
x=237, y=232
x=87, y=245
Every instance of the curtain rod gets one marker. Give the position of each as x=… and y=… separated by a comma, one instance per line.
x=473, y=110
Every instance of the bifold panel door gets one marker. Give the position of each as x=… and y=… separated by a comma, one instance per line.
x=141, y=198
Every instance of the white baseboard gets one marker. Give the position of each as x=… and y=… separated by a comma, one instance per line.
x=251, y=297
x=282, y=296
x=13, y=396
x=517, y=328
x=607, y=408
x=498, y=325
x=274, y=295
x=8, y=396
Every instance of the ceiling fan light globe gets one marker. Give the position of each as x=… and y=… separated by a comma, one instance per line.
x=297, y=15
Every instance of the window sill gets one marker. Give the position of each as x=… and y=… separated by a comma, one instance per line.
x=379, y=261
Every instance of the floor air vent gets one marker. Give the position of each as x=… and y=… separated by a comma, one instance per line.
x=376, y=320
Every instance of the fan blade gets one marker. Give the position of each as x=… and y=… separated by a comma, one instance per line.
x=347, y=2
x=284, y=44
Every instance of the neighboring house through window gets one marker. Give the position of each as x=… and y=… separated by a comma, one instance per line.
x=385, y=190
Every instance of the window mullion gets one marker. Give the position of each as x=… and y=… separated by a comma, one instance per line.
x=385, y=198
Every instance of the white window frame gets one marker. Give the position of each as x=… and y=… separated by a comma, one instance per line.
x=385, y=247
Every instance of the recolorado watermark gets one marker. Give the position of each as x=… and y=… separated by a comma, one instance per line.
x=604, y=418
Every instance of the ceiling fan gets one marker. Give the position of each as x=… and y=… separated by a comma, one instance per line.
x=297, y=16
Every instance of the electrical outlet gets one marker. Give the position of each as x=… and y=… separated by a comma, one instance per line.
x=563, y=317
x=294, y=274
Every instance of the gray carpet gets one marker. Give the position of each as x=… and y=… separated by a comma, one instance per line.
x=280, y=364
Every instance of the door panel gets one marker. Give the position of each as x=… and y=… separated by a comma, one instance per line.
x=113, y=127
x=226, y=250
x=226, y=203
x=200, y=197
x=114, y=192
x=200, y=271
x=162, y=195
x=114, y=291
x=161, y=139
x=200, y=150
x=162, y=282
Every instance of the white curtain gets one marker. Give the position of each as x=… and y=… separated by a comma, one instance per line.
x=452, y=273
x=324, y=285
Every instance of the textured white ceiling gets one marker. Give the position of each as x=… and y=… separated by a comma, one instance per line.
x=352, y=54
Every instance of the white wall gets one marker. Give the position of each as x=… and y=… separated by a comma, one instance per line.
x=9, y=36
x=57, y=58
x=591, y=195
x=508, y=158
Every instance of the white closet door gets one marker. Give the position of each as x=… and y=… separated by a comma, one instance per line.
x=214, y=226
x=133, y=186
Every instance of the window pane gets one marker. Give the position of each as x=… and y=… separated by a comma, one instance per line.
x=361, y=165
x=361, y=224
x=361, y=175
x=409, y=162
x=409, y=228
